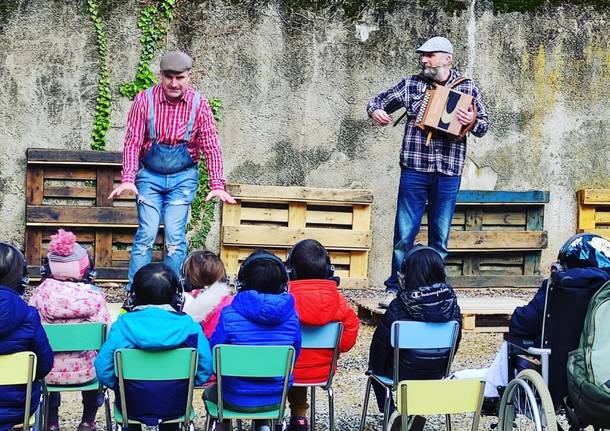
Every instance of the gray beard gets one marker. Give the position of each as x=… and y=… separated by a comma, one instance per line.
x=431, y=72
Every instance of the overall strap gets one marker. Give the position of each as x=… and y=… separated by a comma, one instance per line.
x=189, y=126
x=458, y=81
x=151, y=116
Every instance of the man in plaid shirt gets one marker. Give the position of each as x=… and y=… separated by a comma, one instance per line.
x=169, y=127
x=429, y=173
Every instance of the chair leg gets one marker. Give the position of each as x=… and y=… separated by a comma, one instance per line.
x=331, y=410
x=448, y=422
x=312, y=410
x=107, y=411
x=46, y=404
x=239, y=425
x=386, y=408
x=367, y=393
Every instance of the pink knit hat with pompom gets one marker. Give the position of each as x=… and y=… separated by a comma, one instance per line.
x=68, y=260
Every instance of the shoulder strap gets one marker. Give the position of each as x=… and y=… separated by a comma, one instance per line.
x=189, y=126
x=458, y=81
x=151, y=115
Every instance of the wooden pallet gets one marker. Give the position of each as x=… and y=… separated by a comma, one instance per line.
x=275, y=218
x=496, y=238
x=485, y=314
x=69, y=189
x=594, y=211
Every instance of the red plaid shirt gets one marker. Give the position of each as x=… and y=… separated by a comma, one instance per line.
x=170, y=125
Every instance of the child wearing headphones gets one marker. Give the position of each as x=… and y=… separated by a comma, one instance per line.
x=20, y=331
x=156, y=322
x=67, y=295
x=262, y=313
x=204, y=277
x=318, y=302
x=424, y=296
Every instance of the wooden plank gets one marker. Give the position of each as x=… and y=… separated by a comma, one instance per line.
x=103, y=248
x=54, y=215
x=511, y=218
x=282, y=237
x=68, y=192
x=122, y=237
x=496, y=281
x=86, y=237
x=297, y=215
x=231, y=214
x=61, y=173
x=602, y=217
x=535, y=222
x=74, y=157
x=601, y=232
x=330, y=217
x=468, y=321
x=362, y=217
x=586, y=217
x=34, y=183
x=473, y=222
x=594, y=196
x=264, y=214
x=299, y=194
x=123, y=255
x=359, y=264
x=492, y=240
x=33, y=246
x=104, y=186
x=502, y=197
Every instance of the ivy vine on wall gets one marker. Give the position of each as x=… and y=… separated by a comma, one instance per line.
x=101, y=123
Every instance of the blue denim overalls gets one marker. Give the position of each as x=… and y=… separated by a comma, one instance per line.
x=166, y=183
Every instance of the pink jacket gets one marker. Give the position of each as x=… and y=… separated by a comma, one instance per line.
x=207, y=305
x=69, y=302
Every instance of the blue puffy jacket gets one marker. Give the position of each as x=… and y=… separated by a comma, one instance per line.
x=20, y=331
x=153, y=328
x=263, y=320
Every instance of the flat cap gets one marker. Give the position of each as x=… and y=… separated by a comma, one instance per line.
x=436, y=44
x=176, y=61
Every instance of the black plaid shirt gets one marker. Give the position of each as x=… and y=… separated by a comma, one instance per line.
x=445, y=154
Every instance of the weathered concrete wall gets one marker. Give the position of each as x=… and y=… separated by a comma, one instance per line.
x=295, y=78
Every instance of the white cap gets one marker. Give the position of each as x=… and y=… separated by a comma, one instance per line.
x=436, y=44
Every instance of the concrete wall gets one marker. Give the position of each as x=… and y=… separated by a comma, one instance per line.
x=295, y=79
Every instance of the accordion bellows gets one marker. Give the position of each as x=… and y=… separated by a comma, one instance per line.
x=439, y=111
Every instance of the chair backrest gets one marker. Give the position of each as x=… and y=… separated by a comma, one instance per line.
x=429, y=397
x=324, y=337
x=75, y=337
x=423, y=335
x=231, y=360
x=175, y=364
x=19, y=369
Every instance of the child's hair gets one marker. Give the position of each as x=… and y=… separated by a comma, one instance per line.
x=424, y=267
x=264, y=272
x=202, y=268
x=308, y=259
x=155, y=283
x=12, y=267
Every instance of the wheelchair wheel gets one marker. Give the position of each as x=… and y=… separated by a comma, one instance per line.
x=527, y=405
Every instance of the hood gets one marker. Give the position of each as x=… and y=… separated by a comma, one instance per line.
x=13, y=311
x=56, y=300
x=316, y=301
x=155, y=328
x=200, y=307
x=436, y=303
x=264, y=308
x=591, y=278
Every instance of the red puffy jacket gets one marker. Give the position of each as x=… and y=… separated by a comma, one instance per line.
x=318, y=302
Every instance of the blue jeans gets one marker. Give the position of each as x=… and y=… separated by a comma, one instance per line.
x=416, y=189
x=162, y=198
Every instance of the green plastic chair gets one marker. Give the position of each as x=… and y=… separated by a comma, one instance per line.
x=175, y=364
x=75, y=337
x=250, y=361
x=20, y=369
x=440, y=397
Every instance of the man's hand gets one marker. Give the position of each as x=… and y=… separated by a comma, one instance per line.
x=380, y=117
x=464, y=116
x=222, y=195
x=125, y=187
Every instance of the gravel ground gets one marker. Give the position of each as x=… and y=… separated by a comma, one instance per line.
x=476, y=350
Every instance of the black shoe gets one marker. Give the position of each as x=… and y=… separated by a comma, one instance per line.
x=418, y=423
x=298, y=423
x=490, y=406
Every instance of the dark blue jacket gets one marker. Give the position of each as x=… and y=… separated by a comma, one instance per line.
x=153, y=328
x=263, y=320
x=526, y=321
x=20, y=331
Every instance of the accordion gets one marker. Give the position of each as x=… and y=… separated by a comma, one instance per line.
x=439, y=111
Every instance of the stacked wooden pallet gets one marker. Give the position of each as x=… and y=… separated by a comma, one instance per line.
x=69, y=189
x=275, y=218
x=594, y=211
x=496, y=239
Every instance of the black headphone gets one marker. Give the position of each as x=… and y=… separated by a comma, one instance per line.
x=416, y=248
x=25, y=280
x=88, y=277
x=329, y=272
x=258, y=256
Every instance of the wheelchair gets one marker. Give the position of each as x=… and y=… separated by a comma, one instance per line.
x=535, y=397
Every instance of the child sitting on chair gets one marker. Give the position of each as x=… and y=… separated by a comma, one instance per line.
x=20, y=331
x=318, y=302
x=155, y=323
x=262, y=313
x=424, y=296
x=67, y=295
x=204, y=277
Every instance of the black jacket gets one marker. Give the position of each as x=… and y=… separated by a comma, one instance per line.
x=436, y=303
